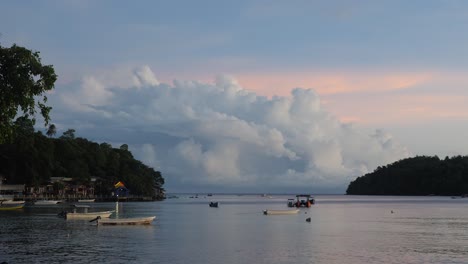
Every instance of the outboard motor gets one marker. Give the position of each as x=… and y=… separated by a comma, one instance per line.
x=62, y=214
x=95, y=219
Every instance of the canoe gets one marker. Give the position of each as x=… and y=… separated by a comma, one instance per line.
x=280, y=212
x=126, y=221
x=88, y=215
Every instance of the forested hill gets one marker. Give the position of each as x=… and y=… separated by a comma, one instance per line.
x=32, y=158
x=421, y=175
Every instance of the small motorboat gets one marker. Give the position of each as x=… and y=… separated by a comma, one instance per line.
x=84, y=214
x=302, y=200
x=124, y=221
x=280, y=212
x=214, y=204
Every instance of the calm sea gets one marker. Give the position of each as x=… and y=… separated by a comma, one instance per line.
x=344, y=229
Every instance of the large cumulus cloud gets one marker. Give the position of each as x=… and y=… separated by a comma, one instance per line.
x=220, y=136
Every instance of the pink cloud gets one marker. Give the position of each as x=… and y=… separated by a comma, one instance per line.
x=363, y=97
x=401, y=109
x=324, y=83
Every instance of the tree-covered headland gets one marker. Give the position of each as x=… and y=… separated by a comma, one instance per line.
x=33, y=158
x=421, y=175
x=29, y=157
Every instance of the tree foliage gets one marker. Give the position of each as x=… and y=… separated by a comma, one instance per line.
x=421, y=175
x=23, y=83
x=33, y=158
x=51, y=131
x=69, y=134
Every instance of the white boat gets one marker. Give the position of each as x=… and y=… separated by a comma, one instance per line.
x=89, y=215
x=85, y=215
x=46, y=202
x=86, y=200
x=11, y=205
x=280, y=212
x=125, y=221
x=11, y=202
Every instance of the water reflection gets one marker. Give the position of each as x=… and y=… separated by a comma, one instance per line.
x=419, y=231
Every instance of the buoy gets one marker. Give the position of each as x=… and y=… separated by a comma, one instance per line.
x=308, y=219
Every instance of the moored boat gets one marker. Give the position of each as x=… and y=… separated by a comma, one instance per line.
x=124, y=221
x=85, y=214
x=6, y=205
x=89, y=215
x=47, y=202
x=302, y=200
x=86, y=200
x=213, y=204
x=280, y=212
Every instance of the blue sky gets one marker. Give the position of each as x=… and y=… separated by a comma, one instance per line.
x=378, y=81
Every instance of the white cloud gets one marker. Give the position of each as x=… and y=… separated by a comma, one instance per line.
x=148, y=156
x=223, y=136
x=144, y=76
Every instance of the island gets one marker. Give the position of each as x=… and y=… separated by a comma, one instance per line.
x=420, y=175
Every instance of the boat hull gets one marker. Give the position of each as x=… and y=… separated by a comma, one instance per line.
x=127, y=221
x=280, y=212
x=87, y=201
x=11, y=205
x=88, y=216
x=47, y=202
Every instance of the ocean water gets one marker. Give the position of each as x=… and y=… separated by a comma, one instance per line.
x=344, y=229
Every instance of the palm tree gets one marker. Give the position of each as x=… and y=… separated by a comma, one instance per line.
x=51, y=131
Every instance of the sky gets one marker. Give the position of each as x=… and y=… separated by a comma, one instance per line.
x=255, y=96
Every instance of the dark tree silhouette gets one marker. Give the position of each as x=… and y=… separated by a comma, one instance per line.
x=421, y=175
x=23, y=79
x=34, y=158
x=51, y=131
